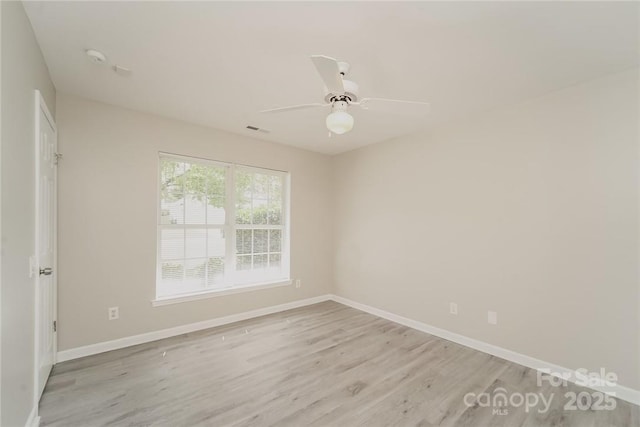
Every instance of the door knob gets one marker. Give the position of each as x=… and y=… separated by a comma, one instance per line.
x=46, y=271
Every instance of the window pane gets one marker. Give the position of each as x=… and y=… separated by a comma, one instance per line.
x=274, y=262
x=243, y=241
x=243, y=213
x=260, y=241
x=275, y=240
x=275, y=213
x=172, y=244
x=259, y=262
x=171, y=277
x=275, y=200
x=215, y=244
x=215, y=272
x=260, y=186
x=215, y=181
x=275, y=187
x=259, y=211
x=172, y=271
x=194, y=275
x=172, y=211
x=243, y=262
x=196, y=244
x=194, y=272
x=170, y=169
x=215, y=210
x=243, y=186
x=194, y=209
x=171, y=192
x=195, y=178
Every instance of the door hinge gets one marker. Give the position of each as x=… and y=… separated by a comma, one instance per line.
x=55, y=326
x=58, y=157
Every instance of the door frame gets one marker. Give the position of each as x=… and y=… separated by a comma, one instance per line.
x=41, y=105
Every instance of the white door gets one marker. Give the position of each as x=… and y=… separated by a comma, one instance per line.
x=46, y=160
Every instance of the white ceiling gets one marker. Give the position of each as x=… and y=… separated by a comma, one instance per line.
x=218, y=64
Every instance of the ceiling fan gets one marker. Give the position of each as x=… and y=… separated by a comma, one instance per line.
x=342, y=94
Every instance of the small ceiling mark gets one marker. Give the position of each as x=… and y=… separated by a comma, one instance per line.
x=122, y=71
x=257, y=129
x=96, y=56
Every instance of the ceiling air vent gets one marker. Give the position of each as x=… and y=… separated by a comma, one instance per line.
x=257, y=129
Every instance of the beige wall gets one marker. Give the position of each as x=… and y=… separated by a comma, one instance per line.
x=23, y=71
x=531, y=211
x=107, y=219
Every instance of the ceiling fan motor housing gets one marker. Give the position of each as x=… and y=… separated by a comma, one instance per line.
x=351, y=91
x=340, y=106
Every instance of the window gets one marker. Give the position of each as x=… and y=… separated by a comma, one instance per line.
x=220, y=226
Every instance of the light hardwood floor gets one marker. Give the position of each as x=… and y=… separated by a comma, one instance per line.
x=321, y=365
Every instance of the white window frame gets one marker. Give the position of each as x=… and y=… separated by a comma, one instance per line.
x=229, y=228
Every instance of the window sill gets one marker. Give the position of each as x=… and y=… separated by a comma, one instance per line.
x=218, y=292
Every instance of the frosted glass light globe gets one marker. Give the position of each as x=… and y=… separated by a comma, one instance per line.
x=339, y=122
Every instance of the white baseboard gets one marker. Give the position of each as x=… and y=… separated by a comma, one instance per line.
x=88, y=350
x=34, y=419
x=621, y=392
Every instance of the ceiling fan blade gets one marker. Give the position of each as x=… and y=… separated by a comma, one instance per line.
x=294, y=107
x=394, y=106
x=329, y=73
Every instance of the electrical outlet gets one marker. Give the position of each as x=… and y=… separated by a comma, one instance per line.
x=298, y=283
x=453, y=308
x=114, y=313
x=492, y=318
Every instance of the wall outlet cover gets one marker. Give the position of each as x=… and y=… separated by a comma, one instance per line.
x=453, y=308
x=114, y=313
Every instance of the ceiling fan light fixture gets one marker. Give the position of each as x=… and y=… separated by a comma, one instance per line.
x=339, y=121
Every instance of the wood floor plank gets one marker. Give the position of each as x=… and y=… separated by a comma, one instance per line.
x=321, y=365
